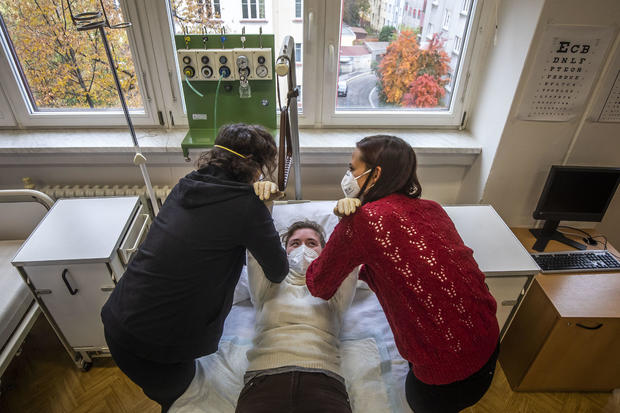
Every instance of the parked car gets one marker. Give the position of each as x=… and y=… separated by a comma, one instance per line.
x=342, y=88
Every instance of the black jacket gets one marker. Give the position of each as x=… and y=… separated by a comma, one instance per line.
x=171, y=303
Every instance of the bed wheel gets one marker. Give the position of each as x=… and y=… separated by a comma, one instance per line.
x=85, y=365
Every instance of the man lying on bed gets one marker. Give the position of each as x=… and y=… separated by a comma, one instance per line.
x=295, y=359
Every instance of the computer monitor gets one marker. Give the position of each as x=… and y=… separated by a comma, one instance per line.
x=573, y=193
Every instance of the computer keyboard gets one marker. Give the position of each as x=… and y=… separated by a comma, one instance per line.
x=576, y=261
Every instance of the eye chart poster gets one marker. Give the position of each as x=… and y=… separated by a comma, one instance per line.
x=568, y=59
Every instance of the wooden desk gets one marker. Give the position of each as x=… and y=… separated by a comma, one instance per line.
x=565, y=336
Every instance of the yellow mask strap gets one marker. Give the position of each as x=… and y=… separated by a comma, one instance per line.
x=230, y=150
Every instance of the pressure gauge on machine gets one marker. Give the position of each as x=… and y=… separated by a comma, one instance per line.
x=244, y=66
x=262, y=71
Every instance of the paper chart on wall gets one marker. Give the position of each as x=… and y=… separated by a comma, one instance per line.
x=567, y=61
x=611, y=109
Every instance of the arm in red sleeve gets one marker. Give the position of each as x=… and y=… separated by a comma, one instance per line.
x=340, y=256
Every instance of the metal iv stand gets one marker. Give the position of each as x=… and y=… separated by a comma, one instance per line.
x=289, y=125
x=94, y=20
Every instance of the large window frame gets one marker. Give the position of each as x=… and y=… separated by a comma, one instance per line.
x=27, y=116
x=159, y=79
x=454, y=117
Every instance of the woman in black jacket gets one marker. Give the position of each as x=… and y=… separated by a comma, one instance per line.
x=170, y=305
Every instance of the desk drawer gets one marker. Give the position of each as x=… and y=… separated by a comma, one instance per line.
x=580, y=354
x=135, y=234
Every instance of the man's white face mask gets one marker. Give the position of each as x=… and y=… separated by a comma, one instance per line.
x=300, y=259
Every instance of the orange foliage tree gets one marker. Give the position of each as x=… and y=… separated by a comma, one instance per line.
x=65, y=68
x=424, y=92
x=411, y=76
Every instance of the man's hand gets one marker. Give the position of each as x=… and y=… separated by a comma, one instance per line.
x=265, y=189
x=346, y=206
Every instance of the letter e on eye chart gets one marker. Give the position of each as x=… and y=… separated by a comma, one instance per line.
x=566, y=63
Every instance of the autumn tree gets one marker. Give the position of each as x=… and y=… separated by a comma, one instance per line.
x=354, y=12
x=424, y=92
x=195, y=16
x=403, y=68
x=65, y=68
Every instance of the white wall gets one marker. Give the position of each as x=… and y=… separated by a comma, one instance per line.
x=516, y=22
x=526, y=151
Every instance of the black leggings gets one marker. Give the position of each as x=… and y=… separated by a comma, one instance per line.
x=452, y=397
x=163, y=383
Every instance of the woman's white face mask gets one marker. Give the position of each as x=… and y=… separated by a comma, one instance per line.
x=300, y=259
x=349, y=184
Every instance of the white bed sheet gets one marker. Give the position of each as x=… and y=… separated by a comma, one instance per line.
x=373, y=369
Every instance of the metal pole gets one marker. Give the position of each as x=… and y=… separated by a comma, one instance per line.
x=139, y=159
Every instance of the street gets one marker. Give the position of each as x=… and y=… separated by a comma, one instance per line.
x=360, y=93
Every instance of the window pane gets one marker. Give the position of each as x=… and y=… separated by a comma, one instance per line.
x=192, y=15
x=244, y=6
x=61, y=68
x=217, y=11
x=298, y=9
x=253, y=8
x=398, y=54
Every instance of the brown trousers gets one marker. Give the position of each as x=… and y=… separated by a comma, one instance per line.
x=294, y=392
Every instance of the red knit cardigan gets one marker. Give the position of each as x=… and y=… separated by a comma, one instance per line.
x=426, y=279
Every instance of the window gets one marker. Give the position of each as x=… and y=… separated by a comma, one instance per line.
x=430, y=31
x=253, y=9
x=298, y=53
x=217, y=9
x=400, y=76
x=446, y=20
x=298, y=9
x=457, y=45
x=465, y=7
x=56, y=72
x=38, y=88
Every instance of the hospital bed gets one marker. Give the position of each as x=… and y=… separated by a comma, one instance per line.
x=373, y=369
x=18, y=310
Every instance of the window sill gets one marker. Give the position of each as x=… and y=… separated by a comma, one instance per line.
x=253, y=21
x=318, y=146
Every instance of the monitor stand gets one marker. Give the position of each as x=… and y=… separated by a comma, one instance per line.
x=549, y=232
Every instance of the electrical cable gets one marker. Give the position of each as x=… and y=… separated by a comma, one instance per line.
x=217, y=93
x=592, y=237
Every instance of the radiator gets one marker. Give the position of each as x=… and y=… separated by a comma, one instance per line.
x=81, y=191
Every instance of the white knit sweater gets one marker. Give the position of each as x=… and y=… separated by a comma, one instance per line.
x=293, y=328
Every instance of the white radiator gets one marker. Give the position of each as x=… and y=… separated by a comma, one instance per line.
x=81, y=191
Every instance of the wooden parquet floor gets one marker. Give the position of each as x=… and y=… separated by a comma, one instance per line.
x=43, y=380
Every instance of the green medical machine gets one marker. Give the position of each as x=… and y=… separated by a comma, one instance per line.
x=226, y=78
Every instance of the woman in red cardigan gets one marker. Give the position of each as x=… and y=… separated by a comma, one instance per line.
x=427, y=281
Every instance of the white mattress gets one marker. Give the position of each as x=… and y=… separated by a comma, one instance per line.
x=15, y=298
x=373, y=369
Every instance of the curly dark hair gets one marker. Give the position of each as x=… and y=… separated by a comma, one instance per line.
x=252, y=141
x=301, y=225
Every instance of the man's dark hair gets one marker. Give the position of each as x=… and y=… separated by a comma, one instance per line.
x=252, y=141
x=301, y=225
